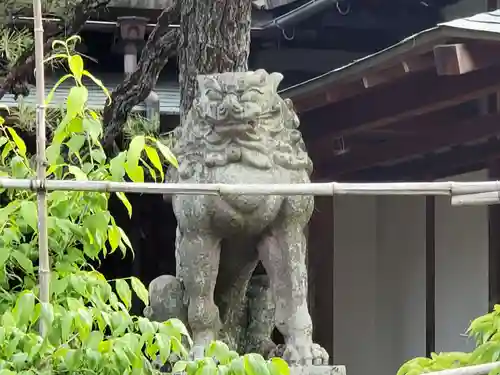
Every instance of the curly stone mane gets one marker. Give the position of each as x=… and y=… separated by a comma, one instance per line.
x=240, y=118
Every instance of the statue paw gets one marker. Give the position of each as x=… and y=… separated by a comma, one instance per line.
x=302, y=354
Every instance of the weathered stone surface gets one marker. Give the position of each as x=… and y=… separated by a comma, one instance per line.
x=317, y=370
x=239, y=130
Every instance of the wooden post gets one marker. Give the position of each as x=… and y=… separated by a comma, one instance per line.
x=430, y=275
x=320, y=272
x=494, y=242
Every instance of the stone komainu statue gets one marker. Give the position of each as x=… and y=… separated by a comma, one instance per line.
x=240, y=131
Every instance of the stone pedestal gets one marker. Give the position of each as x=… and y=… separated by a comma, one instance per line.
x=317, y=370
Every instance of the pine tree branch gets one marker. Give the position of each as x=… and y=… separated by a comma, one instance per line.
x=161, y=45
x=23, y=69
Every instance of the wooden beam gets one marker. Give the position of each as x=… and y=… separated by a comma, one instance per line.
x=343, y=90
x=328, y=95
x=418, y=63
x=449, y=134
x=411, y=96
x=410, y=65
x=460, y=159
x=457, y=59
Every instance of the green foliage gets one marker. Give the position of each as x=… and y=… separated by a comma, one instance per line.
x=89, y=326
x=485, y=330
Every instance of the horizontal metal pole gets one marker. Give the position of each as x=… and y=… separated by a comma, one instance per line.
x=320, y=189
x=478, y=199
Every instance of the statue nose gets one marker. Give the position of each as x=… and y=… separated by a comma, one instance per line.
x=231, y=104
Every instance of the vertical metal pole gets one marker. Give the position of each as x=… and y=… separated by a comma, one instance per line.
x=43, y=248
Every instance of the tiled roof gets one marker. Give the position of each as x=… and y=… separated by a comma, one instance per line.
x=168, y=91
x=482, y=26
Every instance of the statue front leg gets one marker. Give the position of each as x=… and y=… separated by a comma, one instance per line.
x=283, y=254
x=198, y=260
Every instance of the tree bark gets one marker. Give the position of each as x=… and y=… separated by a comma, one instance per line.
x=16, y=79
x=161, y=45
x=214, y=38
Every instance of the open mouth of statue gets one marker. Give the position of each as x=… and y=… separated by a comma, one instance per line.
x=233, y=127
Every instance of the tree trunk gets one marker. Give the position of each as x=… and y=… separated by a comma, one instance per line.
x=215, y=38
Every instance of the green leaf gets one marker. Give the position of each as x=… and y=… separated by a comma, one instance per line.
x=164, y=346
x=75, y=63
x=25, y=306
x=18, y=167
x=93, y=127
x=167, y=154
x=125, y=202
x=8, y=320
x=140, y=290
x=77, y=172
x=135, y=172
x=220, y=351
x=84, y=319
x=146, y=327
x=79, y=284
x=98, y=155
x=77, y=98
x=114, y=237
x=94, y=339
x=67, y=325
x=21, y=146
x=76, y=142
x=3, y=140
x=178, y=348
x=155, y=159
x=117, y=166
x=28, y=212
x=23, y=261
x=179, y=366
x=125, y=238
x=4, y=255
x=54, y=88
x=75, y=126
x=135, y=149
x=278, y=366
x=99, y=83
x=237, y=366
x=177, y=328
x=53, y=153
x=124, y=292
x=255, y=364
x=123, y=359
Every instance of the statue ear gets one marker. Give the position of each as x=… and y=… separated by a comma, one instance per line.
x=206, y=81
x=276, y=79
x=202, y=79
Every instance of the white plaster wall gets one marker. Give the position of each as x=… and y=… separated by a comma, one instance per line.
x=461, y=268
x=379, y=276
x=400, y=279
x=355, y=288
x=379, y=265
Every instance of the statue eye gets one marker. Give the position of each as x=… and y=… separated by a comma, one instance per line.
x=213, y=95
x=255, y=90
